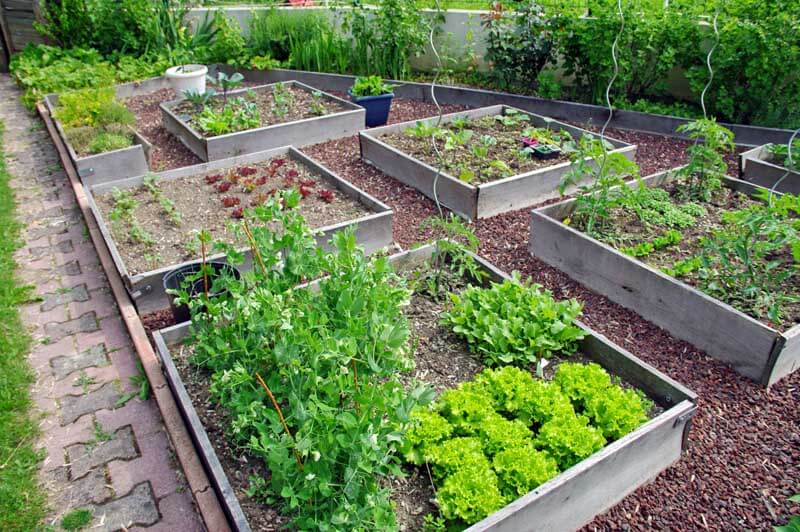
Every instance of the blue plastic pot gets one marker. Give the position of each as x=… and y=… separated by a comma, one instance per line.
x=377, y=107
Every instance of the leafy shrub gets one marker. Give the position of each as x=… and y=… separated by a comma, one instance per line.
x=93, y=121
x=515, y=322
x=228, y=46
x=519, y=44
x=569, y=439
x=522, y=469
x=470, y=494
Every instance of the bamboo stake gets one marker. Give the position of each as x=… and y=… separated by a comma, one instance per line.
x=280, y=415
x=253, y=246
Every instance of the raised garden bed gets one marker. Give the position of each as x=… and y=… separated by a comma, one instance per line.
x=208, y=197
x=299, y=116
x=755, y=348
x=565, y=502
x=486, y=172
x=762, y=167
x=107, y=166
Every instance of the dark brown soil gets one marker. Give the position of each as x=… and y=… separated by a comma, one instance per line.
x=300, y=105
x=167, y=152
x=201, y=207
x=461, y=158
x=743, y=459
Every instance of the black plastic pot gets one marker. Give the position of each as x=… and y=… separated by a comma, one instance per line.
x=175, y=279
x=377, y=108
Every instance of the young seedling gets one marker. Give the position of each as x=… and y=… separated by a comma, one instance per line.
x=199, y=99
x=317, y=106
x=226, y=83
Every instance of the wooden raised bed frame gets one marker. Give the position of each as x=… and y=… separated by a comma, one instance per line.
x=756, y=168
x=295, y=133
x=755, y=350
x=373, y=231
x=108, y=166
x=566, y=502
x=473, y=201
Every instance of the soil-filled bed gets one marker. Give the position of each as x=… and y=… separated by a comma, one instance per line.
x=442, y=360
x=300, y=104
x=627, y=231
x=744, y=447
x=502, y=143
x=211, y=201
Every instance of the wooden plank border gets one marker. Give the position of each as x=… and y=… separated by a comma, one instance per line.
x=753, y=349
x=756, y=166
x=575, y=496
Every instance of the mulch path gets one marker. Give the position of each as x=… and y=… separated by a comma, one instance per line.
x=743, y=459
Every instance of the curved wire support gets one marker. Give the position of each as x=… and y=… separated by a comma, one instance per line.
x=789, y=164
x=610, y=107
x=708, y=64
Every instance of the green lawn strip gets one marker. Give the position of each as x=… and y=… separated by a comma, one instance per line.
x=22, y=503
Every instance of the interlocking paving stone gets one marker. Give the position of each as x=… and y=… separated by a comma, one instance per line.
x=75, y=406
x=85, y=323
x=60, y=261
x=136, y=508
x=45, y=251
x=90, y=489
x=76, y=293
x=84, y=457
x=94, y=356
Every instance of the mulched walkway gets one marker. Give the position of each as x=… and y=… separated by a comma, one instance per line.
x=104, y=449
x=743, y=460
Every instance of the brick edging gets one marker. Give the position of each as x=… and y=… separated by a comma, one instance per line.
x=202, y=491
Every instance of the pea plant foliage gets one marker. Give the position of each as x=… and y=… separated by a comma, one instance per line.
x=309, y=375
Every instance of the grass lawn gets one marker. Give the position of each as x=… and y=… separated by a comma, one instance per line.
x=22, y=503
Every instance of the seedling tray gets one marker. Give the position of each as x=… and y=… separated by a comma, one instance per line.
x=752, y=348
x=757, y=167
x=295, y=133
x=373, y=231
x=566, y=502
x=107, y=166
x=473, y=201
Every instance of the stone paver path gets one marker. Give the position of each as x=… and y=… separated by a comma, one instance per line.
x=104, y=449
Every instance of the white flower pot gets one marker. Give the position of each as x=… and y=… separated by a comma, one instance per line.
x=187, y=78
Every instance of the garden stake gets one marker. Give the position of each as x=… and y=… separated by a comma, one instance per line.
x=280, y=415
x=355, y=379
x=253, y=246
x=205, y=272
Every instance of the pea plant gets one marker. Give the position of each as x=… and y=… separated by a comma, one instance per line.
x=310, y=376
x=317, y=104
x=282, y=100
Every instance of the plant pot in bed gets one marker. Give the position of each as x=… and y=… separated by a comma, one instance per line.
x=187, y=78
x=375, y=97
x=175, y=279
